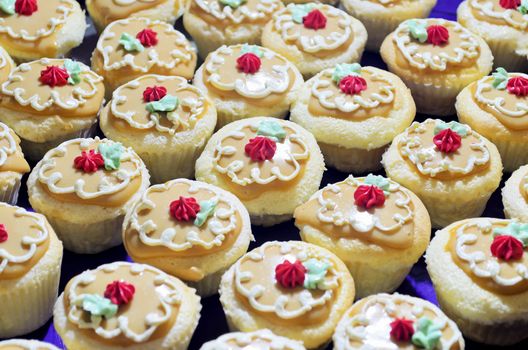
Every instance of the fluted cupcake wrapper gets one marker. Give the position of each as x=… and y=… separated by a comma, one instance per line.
x=434, y=100
x=504, y=55
x=208, y=285
x=352, y=160
x=513, y=153
x=378, y=28
x=9, y=194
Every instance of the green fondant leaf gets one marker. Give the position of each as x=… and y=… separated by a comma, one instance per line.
x=460, y=129
x=427, y=334
x=167, y=104
x=111, y=153
x=232, y=3
x=97, y=305
x=298, y=12
x=345, y=69
x=515, y=229
x=271, y=129
x=7, y=6
x=523, y=8
x=254, y=49
x=378, y=181
x=418, y=30
x=74, y=71
x=207, y=209
x=315, y=273
x=130, y=43
x=500, y=78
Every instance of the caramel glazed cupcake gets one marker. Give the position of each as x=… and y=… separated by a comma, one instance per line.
x=262, y=339
x=49, y=101
x=126, y=306
x=12, y=165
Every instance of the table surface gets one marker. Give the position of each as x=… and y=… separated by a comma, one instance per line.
x=212, y=323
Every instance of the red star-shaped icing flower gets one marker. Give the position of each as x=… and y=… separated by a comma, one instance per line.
x=3, y=233
x=290, y=275
x=260, y=148
x=147, y=37
x=352, y=84
x=154, y=93
x=447, y=141
x=518, y=86
x=315, y=19
x=184, y=209
x=369, y=196
x=402, y=329
x=507, y=248
x=249, y=63
x=510, y=4
x=26, y=7
x=54, y=76
x=89, y=162
x=120, y=292
x=437, y=35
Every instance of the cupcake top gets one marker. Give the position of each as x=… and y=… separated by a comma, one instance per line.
x=142, y=44
x=23, y=344
x=165, y=104
x=351, y=92
x=444, y=151
x=372, y=209
x=11, y=156
x=24, y=239
x=118, y=9
x=6, y=65
x=222, y=13
x=252, y=73
x=91, y=171
x=262, y=339
x=54, y=87
x=396, y=321
x=314, y=28
x=261, y=154
x=124, y=303
x=492, y=252
x=505, y=95
x=511, y=13
x=435, y=44
x=183, y=218
x=31, y=24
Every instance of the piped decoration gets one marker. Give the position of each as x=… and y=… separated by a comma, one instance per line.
x=507, y=248
x=271, y=129
x=523, y=8
x=437, y=35
x=447, y=141
x=510, y=4
x=89, y=162
x=154, y=93
x=74, y=71
x=120, y=292
x=369, y=196
x=147, y=37
x=54, y=76
x=3, y=233
x=111, y=154
x=500, y=78
x=7, y=7
x=260, y=149
x=402, y=329
x=130, y=43
x=378, y=181
x=26, y=7
x=234, y=4
x=352, y=85
x=290, y=275
x=315, y=273
x=427, y=334
x=298, y=12
x=518, y=86
x=207, y=209
x=184, y=209
x=167, y=103
x=315, y=20
x=417, y=30
x=248, y=63
x=98, y=306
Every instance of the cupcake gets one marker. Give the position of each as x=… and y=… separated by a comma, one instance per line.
x=164, y=119
x=479, y=271
x=436, y=59
x=103, y=12
x=272, y=165
x=32, y=29
x=295, y=289
x=12, y=165
x=258, y=340
x=515, y=195
x=84, y=187
x=30, y=261
x=381, y=17
x=6, y=65
x=126, y=306
x=213, y=23
x=132, y=47
x=247, y=81
x=23, y=344
x=378, y=228
x=315, y=36
x=188, y=229
x=450, y=167
x=395, y=321
x=497, y=107
x=502, y=24
x=49, y=101
x=354, y=113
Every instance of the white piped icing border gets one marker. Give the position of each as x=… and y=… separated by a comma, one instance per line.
x=246, y=341
x=239, y=15
x=28, y=344
x=485, y=7
x=130, y=2
x=486, y=84
x=5, y=152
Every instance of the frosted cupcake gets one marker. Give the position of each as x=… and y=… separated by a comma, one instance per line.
x=12, y=165
x=354, y=113
x=189, y=229
x=132, y=47
x=258, y=340
x=30, y=261
x=450, y=167
x=396, y=321
x=515, y=195
x=436, y=59
x=123, y=305
x=49, y=101
x=478, y=268
x=213, y=23
x=272, y=165
x=84, y=187
x=377, y=227
x=295, y=289
x=164, y=119
x=315, y=36
x=32, y=29
x=247, y=81
x=497, y=107
x=503, y=24
x=103, y=12
x=6, y=65
x=23, y=344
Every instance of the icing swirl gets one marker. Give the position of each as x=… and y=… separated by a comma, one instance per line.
x=258, y=340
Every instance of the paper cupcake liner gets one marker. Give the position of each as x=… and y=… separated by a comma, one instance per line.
x=514, y=154
x=378, y=27
x=505, y=55
x=434, y=100
x=209, y=284
x=9, y=194
x=352, y=160
x=269, y=220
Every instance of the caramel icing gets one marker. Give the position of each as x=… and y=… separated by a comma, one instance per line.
x=108, y=188
x=416, y=146
x=367, y=323
x=469, y=246
x=509, y=109
x=462, y=50
x=249, y=12
x=23, y=91
x=173, y=54
x=151, y=232
x=492, y=12
x=256, y=287
x=28, y=240
x=249, y=178
x=332, y=211
x=128, y=109
x=37, y=32
x=6, y=65
x=118, y=9
x=259, y=340
x=150, y=315
x=328, y=100
x=11, y=156
x=21, y=344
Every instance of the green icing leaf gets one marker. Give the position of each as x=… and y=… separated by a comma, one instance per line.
x=315, y=273
x=460, y=129
x=97, y=305
x=515, y=229
x=7, y=6
x=271, y=129
x=345, y=69
x=251, y=49
x=418, y=31
x=207, y=209
x=427, y=334
x=232, y=3
x=111, y=153
x=74, y=71
x=130, y=43
x=298, y=12
x=378, y=181
x=167, y=104
x=500, y=78
x=524, y=7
